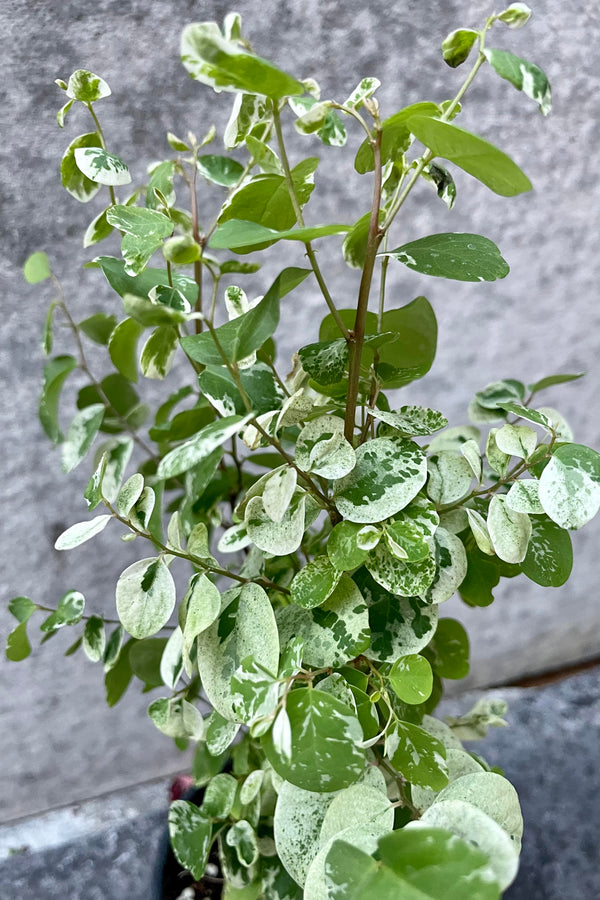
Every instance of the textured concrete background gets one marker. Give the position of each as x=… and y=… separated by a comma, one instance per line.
x=58, y=741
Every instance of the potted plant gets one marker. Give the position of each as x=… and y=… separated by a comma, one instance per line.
x=321, y=523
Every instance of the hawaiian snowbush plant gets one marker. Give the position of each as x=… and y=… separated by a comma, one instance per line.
x=322, y=524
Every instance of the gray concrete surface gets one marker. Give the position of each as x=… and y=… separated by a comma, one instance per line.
x=59, y=743
x=549, y=751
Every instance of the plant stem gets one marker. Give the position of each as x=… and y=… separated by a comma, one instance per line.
x=355, y=347
x=200, y=241
x=111, y=190
x=300, y=220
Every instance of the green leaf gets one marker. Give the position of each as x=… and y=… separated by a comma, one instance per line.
x=418, y=756
x=97, y=230
x=462, y=257
x=551, y=380
x=119, y=675
x=142, y=284
x=143, y=232
x=98, y=327
x=570, y=485
x=220, y=170
x=69, y=611
x=246, y=627
x=55, y=373
x=265, y=199
x=87, y=87
x=349, y=544
x=549, y=558
x=264, y=156
x=449, y=650
x=193, y=452
x=73, y=179
x=81, y=532
x=145, y=659
x=324, y=755
x=471, y=153
x=36, y=268
x=219, y=796
x=17, y=643
x=523, y=75
x=242, y=336
x=237, y=234
x=156, y=359
x=457, y=46
x=333, y=633
x=182, y=250
x=80, y=436
x=412, y=679
x=153, y=310
x=227, y=66
x=313, y=584
x=94, y=638
x=22, y=608
x=421, y=863
x=145, y=597
x=395, y=136
x=191, y=836
x=47, y=341
x=122, y=347
x=389, y=472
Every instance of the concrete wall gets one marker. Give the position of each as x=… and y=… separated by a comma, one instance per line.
x=58, y=741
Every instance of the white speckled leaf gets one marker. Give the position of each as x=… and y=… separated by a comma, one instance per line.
x=509, y=531
x=516, y=440
x=171, y=662
x=192, y=452
x=560, y=425
x=145, y=597
x=191, y=836
x=278, y=538
x=202, y=605
x=549, y=559
x=493, y=795
x=81, y=532
x=389, y=472
x=470, y=451
x=417, y=755
x=406, y=578
x=333, y=633
x=246, y=627
x=278, y=493
x=412, y=420
x=450, y=477
x=234, y=539
x=451, y=567
x=102, y=167
x=422, y=513
x=473, y=825
x=453, y=438
x=497, y=460
x=570, y=486
x=524, y=497
x=220, y=733
x=321, y=448
x=357, y=805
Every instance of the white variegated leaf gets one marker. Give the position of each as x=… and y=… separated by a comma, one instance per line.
x=470, y=451
x=234, y=539
x=145, y=597
x=411, y=421
x=450, y=478
x=459, y=763
x=509, y=531
x=321, y=448
x=497, y=460
x=278, y=493
x=559, y=424
x=480, y=532
x=454, y=520
x=569, y=486
x=102, y=167
x=493, y=795
x=516, y=440
x=278, y=538
x=389, y=473
x=408, y=579
x=453, y=438
x=451, y=567
x=524, y=497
